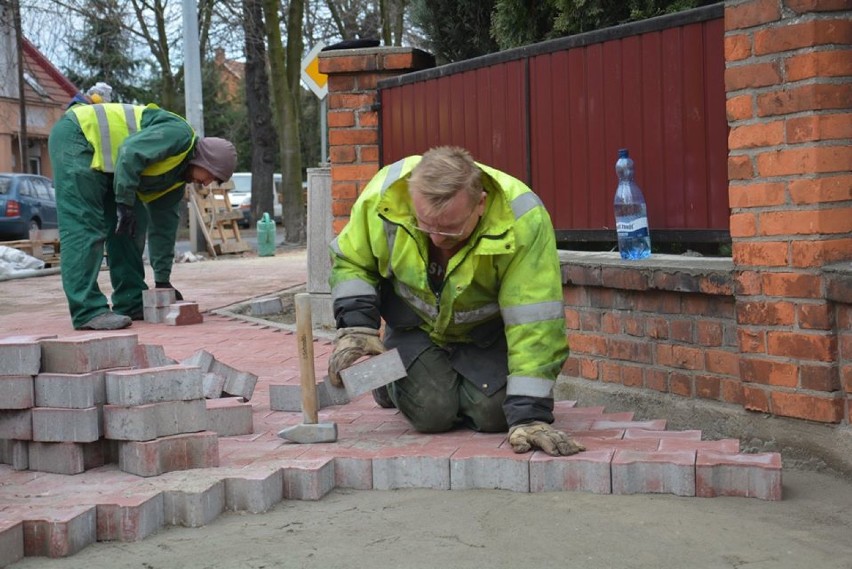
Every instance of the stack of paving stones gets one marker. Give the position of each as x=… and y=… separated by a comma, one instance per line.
x=159, y=306
x=227, y=391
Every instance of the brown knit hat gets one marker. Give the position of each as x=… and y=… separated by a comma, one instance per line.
x=216, y=155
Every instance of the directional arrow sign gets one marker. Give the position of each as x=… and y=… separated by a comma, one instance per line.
x=316, y=81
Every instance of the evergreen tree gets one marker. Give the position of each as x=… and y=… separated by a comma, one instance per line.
x=455, y=29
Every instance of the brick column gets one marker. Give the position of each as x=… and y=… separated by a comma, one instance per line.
x=789, y=94
x=353, y=118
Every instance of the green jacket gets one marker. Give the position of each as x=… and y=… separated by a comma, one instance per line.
x=146, y=148
x=500, y=311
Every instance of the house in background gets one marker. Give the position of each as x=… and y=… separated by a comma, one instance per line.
x=46, y=94
x=231, y=76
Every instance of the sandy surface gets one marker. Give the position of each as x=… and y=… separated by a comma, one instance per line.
x=811, y=529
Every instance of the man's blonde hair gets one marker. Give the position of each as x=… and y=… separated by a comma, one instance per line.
x=443, y=172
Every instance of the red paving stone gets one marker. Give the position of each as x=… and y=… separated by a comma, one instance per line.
x=376, y=447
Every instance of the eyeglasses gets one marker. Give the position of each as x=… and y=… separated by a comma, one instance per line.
x=452, y=234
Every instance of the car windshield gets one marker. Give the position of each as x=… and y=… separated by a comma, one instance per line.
x=242, y=184
x=5, y=184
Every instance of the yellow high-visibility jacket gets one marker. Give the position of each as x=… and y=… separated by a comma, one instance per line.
x=500, y=311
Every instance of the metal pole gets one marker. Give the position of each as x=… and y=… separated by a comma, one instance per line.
x=194, y=102
x=23, y=143
x=323, y=131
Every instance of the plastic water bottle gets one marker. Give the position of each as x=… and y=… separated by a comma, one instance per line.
x=631, y=213
x=266, y=236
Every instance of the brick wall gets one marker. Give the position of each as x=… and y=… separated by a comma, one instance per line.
x=769, y=329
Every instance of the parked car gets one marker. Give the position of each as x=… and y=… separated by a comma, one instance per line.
x=27, y=202
x=240, y=197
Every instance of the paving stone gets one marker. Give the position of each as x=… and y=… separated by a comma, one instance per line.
x=747, y=475
x=237, y=383
x=691, y=435
x=330, y=395
x=15, y=453
x=71, y=391
x=286, y=398
x=66, y=458
x=151, y=355
x=212, y=385
x=16, y=392
x=500, y=468
x=308, y=480
x=21, y=355
x=158, y=297
x=167, y=454
x=729, y=446
x=254, y=492
x=229, y=416
x=640, y=472
x=11, y=542
x=60, y=532
x=167, y=383
x=353, y=472
x=129, y=517
x=155, y=314
x=153, y=420
x=266, y=306
x=652, y=425
x=201, y=359
x=183, y=313
x=372, y=373
x=588, y=471
x=87, y=352
x=16, y=424
x=197, y=507
x=392, y=472
x=56, y=425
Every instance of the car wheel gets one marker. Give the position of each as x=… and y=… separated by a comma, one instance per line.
x=34, y=226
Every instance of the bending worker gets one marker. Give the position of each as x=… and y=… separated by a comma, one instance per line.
x=460, y=262
x=117, y=169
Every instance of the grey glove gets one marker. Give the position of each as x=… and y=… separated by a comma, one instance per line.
x=350, y=344
x=540, y=435
x=126, y=224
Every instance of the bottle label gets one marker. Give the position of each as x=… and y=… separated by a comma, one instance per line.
x=637, y=227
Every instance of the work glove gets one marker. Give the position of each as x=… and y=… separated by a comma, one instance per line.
x=540, y=435
x=350, y=344
x=126, y=224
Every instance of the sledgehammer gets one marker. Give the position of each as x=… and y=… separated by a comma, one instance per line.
x=310, y=430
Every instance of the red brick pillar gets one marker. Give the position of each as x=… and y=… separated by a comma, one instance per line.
x=353, y=118
x=788, y=69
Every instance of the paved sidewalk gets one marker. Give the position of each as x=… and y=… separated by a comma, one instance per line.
x=57, y=515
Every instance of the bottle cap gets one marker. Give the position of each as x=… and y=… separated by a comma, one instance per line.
x=623, y=153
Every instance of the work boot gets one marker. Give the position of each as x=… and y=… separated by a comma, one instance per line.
x=107, y=321
x=178, y=295
x=382, y=397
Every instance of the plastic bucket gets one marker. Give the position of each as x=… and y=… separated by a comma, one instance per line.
x=266, y=236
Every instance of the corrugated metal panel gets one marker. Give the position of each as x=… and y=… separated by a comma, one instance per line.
x=555, y=118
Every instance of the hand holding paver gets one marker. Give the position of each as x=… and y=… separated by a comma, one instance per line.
x=351, y=344
x=542, y=436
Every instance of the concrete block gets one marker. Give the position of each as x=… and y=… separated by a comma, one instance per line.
x=201, y=359
x=66, y=458
x=588, y=471
x=167, y=454
x=184, y=313
x=151, y=355
x=353, y=472
x=153, y=420
x=167, y=383
x=21, y=355
x=155, y=314
x=212, y=385
x=196, y=507
x=158, y=297
x=70, y=390
x=16, y=392
x=266, y=306
x=254, y=492
x=372, y=373
x=390, y=473
x=286, y=398
x=87, y=352
x=11, y=542
x=60, y=532
x=57, y=425
x=656, y=472
x=330, y=395
x=16, y=424
x=501, y=469
x=747, y=475
x=129, y=518
x=229, y=417
x=237, y=383
x=15, y=453
x=309, y=480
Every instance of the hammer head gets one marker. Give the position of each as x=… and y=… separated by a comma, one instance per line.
x=307, y=434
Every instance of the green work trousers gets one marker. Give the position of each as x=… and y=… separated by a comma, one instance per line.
x=85, y=203
x=435, y=398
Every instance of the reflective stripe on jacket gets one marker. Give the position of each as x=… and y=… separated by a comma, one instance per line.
x=146, y=147
x=507, y=273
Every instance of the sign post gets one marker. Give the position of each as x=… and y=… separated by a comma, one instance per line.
x=318, y=83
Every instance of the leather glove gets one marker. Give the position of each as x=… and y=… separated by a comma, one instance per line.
x=350, y=344
x=126, y=224
x=540, y=435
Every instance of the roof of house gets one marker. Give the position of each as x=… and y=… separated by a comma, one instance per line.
x=43, y=80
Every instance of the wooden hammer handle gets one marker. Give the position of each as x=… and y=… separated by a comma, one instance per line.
x=307, y=374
